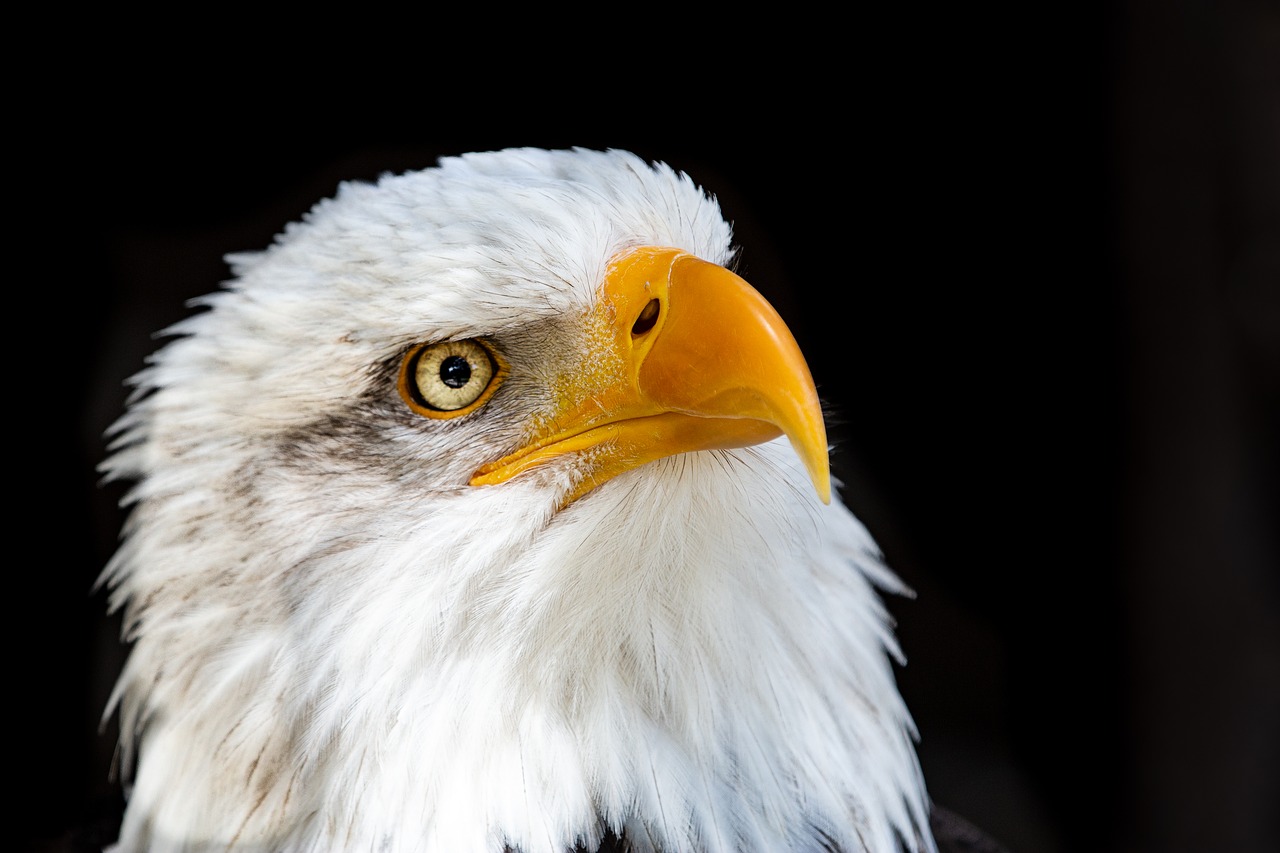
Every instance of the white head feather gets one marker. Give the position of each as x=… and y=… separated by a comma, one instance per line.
x=340, y=645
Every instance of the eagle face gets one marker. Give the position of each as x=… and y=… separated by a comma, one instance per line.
x=488, y=509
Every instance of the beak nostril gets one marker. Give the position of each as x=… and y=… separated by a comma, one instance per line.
x=648, y=317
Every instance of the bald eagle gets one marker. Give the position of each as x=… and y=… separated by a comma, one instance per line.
x=489, y=510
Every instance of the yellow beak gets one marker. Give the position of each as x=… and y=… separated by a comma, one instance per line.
x=686, y=356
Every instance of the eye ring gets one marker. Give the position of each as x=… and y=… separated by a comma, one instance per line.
x=449, y=379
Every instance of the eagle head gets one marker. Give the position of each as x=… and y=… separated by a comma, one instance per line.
x=488, y=509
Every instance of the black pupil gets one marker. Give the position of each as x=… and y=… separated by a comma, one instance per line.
x=455, y=371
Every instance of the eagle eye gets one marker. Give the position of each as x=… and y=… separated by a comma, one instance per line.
x=449, y=379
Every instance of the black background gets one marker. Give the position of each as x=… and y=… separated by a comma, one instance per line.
x=1033, y=256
